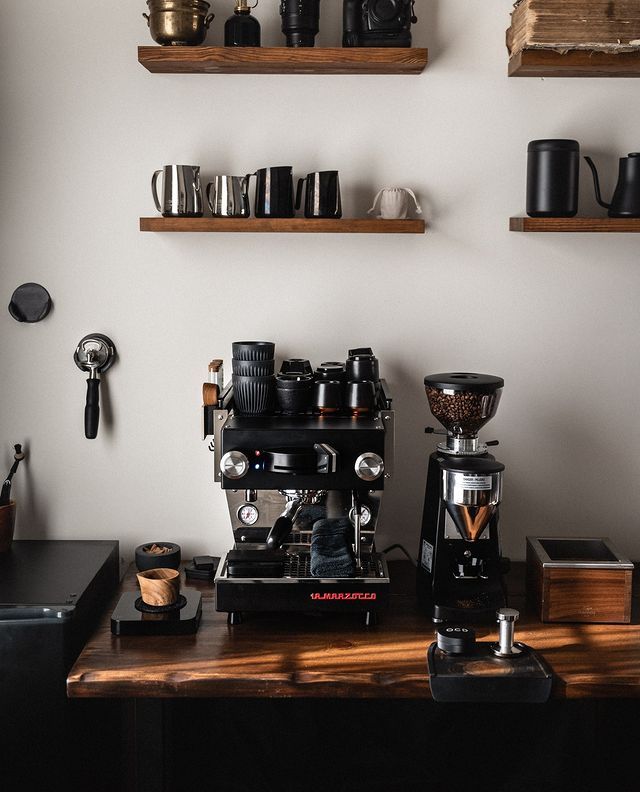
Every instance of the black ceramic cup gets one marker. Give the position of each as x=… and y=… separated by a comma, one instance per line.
x=330, y=370
x=254, y=395
x=253, y=368
x=294, y=392
x=360, y=397
x=327, y=397
x=253, y=350
x=362, y=367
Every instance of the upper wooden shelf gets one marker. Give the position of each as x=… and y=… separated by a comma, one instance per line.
x=283, y=60
x=600, y=225
x=292, y=225
x=574, y=63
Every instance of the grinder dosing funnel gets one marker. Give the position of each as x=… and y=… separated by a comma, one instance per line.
x=471, y=490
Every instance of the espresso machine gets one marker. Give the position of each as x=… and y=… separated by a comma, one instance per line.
x=460, y=567
x=289, y=476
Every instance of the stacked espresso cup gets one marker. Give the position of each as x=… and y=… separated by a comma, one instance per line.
x=254, y=385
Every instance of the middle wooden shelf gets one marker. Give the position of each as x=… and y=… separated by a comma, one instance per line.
x=293, y=225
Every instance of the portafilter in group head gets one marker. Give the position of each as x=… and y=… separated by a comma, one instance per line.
x=463, y=402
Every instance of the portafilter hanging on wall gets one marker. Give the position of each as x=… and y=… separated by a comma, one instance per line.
x=95, y=353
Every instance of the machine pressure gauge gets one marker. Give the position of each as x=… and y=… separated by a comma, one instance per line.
x=365, y=516
x=248, y=514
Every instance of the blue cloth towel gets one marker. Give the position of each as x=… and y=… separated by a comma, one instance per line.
x=331, y=550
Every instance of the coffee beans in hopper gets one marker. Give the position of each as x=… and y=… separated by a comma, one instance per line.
x=461, y=412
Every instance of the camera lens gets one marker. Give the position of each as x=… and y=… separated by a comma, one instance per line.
x=300, y=21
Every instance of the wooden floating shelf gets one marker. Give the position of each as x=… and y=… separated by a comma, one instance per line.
x=574, y=63
x=283, y=60
x=294, y=225
x=598, y=225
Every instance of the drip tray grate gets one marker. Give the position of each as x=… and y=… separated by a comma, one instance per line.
x=298, y=565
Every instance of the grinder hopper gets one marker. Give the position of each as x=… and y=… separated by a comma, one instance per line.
x=463, y=402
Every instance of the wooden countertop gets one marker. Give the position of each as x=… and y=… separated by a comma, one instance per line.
x=297, y=655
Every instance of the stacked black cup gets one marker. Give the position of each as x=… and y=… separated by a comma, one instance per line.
x=294, y=386
x=363, y=375
x=254, y=387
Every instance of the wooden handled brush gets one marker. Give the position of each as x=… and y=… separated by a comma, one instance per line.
x=5, y=495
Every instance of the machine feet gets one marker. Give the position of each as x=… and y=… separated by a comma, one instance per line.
x=235, y=617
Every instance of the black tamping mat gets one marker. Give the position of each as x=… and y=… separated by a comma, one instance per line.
x=132, y=617
x=479, y=675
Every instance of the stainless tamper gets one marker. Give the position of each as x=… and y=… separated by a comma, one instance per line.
x=95, y=353
x=507, y=618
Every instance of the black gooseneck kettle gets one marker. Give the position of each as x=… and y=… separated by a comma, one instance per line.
x=626, y=197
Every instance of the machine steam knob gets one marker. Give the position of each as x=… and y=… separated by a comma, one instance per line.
x=369, y=466
x=234, y=465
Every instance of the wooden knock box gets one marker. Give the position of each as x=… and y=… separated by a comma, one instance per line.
x=578, y=580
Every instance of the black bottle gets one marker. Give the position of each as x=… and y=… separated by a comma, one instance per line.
x=242, y=30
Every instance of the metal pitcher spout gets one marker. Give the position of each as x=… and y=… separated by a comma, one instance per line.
x=596, y=183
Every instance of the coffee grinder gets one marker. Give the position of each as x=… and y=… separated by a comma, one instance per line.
x=460, y=568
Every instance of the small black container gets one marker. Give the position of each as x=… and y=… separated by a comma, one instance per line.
x=146, y=560
x=253, y=368
x=552, y=178
x=331, y=370
x=253, y=350
x=327, y=397
x=360, y=397
x=294, y=392
x=362, y=367
x=296, y=366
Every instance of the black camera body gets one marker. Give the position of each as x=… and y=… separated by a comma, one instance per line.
x=377, y=23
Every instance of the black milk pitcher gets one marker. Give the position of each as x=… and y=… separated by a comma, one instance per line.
x=322, y=196
x=274, y=192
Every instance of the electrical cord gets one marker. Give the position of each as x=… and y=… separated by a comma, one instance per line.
x=403, y=549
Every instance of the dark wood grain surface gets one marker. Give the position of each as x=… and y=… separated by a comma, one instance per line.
x=575, y=63
x=307, y=656
x=600, y=225
x=279, y=225
x=283, y=60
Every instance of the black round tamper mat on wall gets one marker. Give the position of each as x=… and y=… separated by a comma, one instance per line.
x=30, y=302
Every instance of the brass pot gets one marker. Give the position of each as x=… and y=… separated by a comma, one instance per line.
x=178, y=22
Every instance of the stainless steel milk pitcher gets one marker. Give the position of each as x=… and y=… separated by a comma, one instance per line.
x=228, y=196
x=181, y=191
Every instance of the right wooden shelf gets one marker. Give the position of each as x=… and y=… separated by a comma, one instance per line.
x=597, y=225
x=574, y=63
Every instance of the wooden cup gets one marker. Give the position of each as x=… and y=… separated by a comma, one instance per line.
x=7, y=525
x=160, y=586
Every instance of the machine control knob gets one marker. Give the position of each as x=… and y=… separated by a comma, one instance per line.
x=369, y=466
x=234, y=465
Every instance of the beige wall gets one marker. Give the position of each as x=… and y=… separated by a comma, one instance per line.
x=83, y=128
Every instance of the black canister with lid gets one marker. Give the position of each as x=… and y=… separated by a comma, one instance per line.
x=552, y=178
